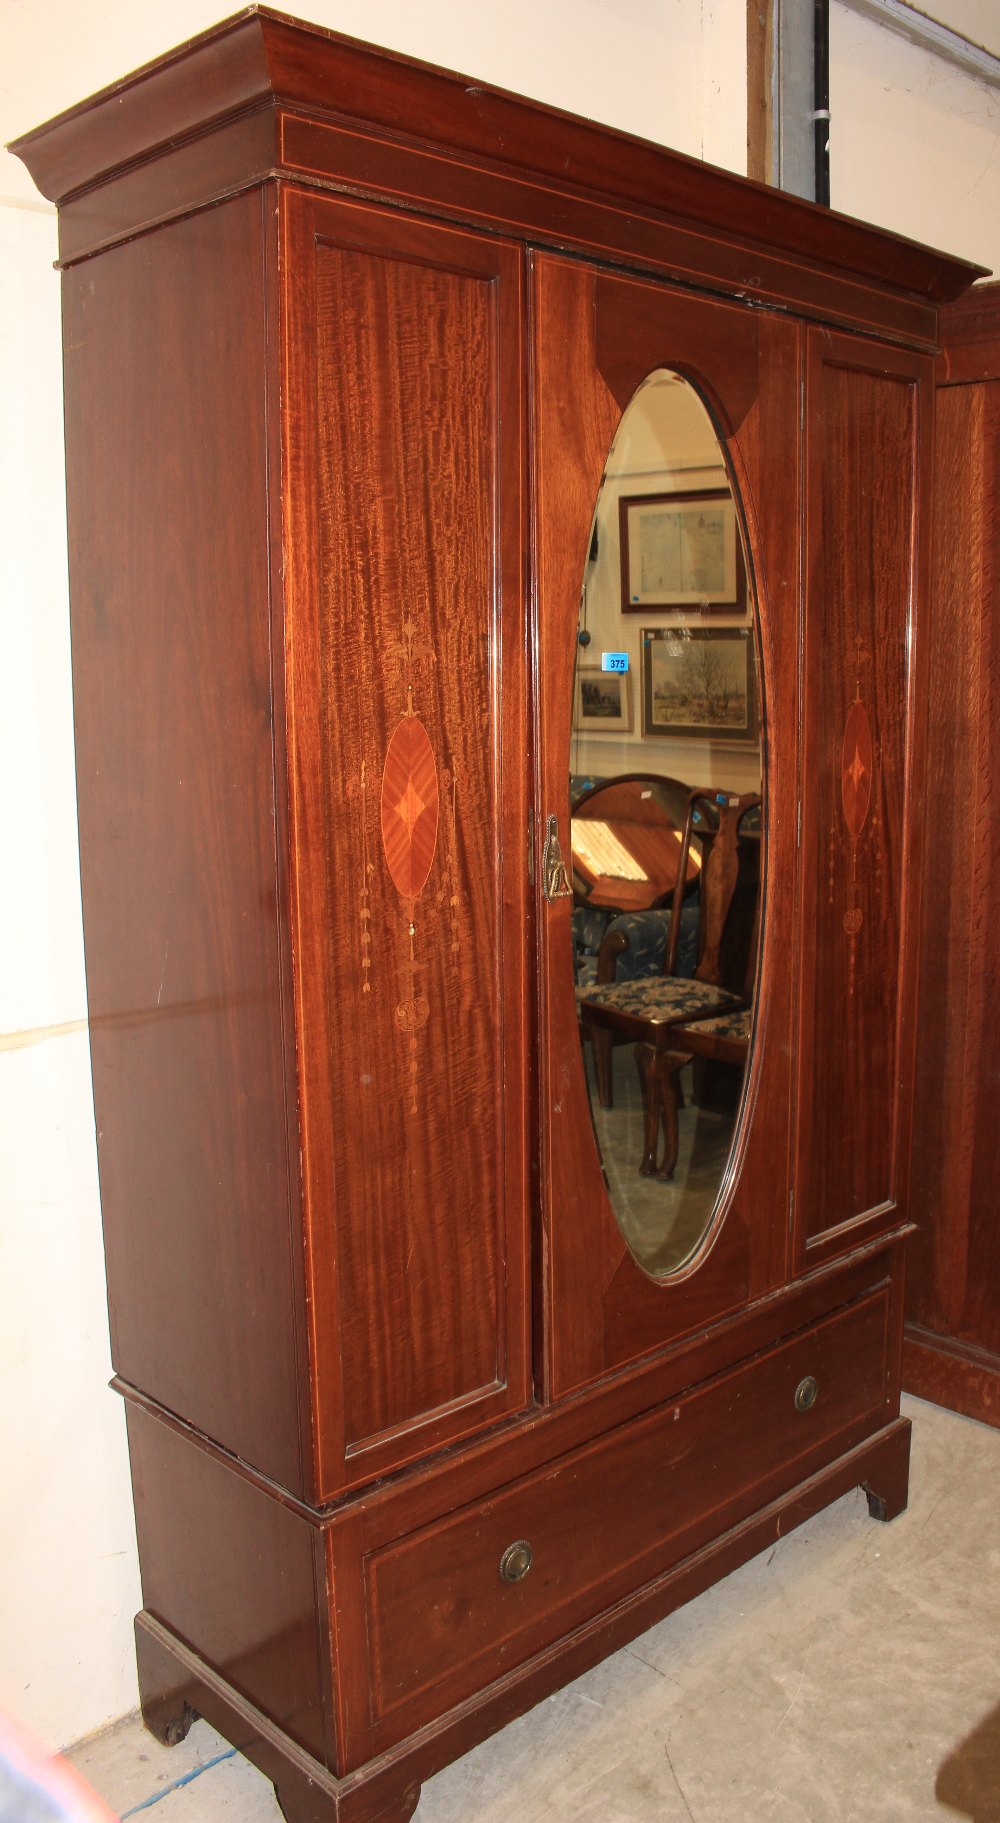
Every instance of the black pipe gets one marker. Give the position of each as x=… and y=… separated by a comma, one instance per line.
x=821, y=99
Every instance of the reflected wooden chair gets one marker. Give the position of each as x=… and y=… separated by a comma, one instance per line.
x=651, y=1012
x=627, y=835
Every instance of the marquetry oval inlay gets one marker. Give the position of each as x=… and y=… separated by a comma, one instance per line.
x=856, y=767
x=409, y=807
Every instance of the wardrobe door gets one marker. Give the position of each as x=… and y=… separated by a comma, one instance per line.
x=608, y=1298
x=407, y=718
x=868, y=412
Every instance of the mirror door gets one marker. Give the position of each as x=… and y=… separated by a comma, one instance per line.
x=667, y=494
x=666, y=824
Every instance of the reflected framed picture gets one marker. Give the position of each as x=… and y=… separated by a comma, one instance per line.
x=681, y=551
x=700, y=683
x=602, y=701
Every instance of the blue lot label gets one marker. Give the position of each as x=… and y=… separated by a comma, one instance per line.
x=614, y=661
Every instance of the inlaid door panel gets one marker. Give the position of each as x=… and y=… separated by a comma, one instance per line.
x=867, y=451
x=407, y=717
x=597, y=340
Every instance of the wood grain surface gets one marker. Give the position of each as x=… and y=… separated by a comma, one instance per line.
x=232, y=1536
x=345, y=359
x=430, y=1648
x=969, y=345
x=861, y=788
x=596, y=338
x=169, y=565
x=953, y=1295
x=334, y=110
x=207, y=1536
x=409, y=824
x=174, y=1678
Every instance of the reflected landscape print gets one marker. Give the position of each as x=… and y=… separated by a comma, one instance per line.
x=701, y=679
x=602, y=699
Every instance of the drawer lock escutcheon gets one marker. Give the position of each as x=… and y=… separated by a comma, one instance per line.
x=806, y=1393
x=516, y=1561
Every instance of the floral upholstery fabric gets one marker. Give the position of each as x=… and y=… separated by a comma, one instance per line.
x=647, y=934
x=589, y=926
x=661, y=1000
x=727, y=1025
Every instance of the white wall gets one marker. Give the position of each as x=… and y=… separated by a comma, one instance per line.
x=668, y=69
x=915, y=142
x=68, y=1575
x=977, y=20
x=68, y=1579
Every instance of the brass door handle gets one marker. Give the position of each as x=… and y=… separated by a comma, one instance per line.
x=555, y=878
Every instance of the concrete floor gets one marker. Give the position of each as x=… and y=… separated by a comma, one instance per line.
x=852, y=1671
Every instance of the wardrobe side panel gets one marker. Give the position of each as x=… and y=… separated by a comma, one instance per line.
x=168, y=506
x=952, y=981
x=862, y=783
x=952, y=1350
x=408, y=717
x=980, y=1322
x=235, y=1574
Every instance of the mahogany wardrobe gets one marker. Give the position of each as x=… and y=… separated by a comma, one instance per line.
x=418, y=1431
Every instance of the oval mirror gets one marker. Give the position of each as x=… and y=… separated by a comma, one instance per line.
x=666, y=821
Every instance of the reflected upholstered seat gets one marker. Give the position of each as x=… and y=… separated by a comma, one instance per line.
x=724, y=1038
x=650, y=1012
x=659, y=1000
x=628, y=834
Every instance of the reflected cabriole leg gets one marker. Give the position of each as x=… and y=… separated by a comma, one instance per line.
x=888, y=1485
x=645, y=1065
x=659, y=1076
x=668, y=1067
x=601, y=1041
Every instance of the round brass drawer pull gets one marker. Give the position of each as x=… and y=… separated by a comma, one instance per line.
x=516, y=1561
x=806, y=1393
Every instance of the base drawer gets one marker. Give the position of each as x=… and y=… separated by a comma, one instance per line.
x=454, y=1605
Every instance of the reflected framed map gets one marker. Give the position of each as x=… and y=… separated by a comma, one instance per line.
x=681, y=551
x=700, y=683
